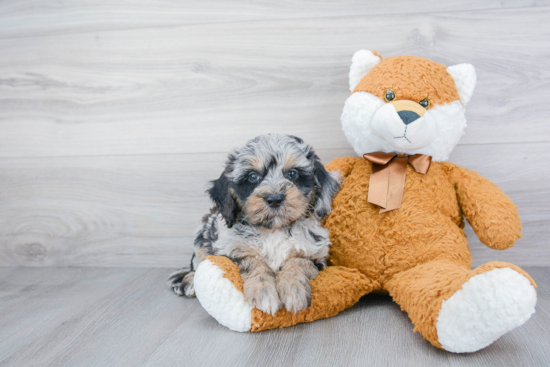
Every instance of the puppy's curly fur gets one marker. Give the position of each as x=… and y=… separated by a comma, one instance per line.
x=268, y=204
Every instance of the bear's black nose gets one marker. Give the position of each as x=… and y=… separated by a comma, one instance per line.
x=274, y=200
x=408, y=116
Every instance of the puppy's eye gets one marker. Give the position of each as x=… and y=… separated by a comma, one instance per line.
x=292, y=174
x=389, y=96
x=425, y=103
x=253, y=177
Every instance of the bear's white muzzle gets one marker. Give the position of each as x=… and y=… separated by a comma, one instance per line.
x=404, y=132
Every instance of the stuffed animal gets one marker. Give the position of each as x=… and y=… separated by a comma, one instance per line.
x=397, y=224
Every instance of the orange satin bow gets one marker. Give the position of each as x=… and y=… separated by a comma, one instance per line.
x=387, y=180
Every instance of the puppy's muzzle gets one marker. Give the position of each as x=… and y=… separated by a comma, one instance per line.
x=274, y=200
x=408, y=111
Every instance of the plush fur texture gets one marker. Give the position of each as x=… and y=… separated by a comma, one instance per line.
x=361, y=63
x=408, y=236
x=502, y=299
x=411, y=78
x=419, y=253
x=218, y=280
x=211, y=284
x=371, y=124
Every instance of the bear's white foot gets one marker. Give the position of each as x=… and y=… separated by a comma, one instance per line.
x=219, y=297
x=488, y=306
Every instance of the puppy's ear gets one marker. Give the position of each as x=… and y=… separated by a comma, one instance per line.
x=328, y=185
x=298, y=140
x=220, y=195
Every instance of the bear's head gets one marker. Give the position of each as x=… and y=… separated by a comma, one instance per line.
x=406, y=104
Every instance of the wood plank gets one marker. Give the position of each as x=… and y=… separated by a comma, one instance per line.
x=116, y=328
x=143, y=210
x=38, y=17
x=139, y=322
x=49, y=298
x=206, y=87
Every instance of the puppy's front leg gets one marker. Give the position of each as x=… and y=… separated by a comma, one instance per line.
x=293, y=283
x=260, y=289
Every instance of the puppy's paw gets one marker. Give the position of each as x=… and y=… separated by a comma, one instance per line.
x=183, y=286
x=294, y=292
x=261, y=292
x=293, y=284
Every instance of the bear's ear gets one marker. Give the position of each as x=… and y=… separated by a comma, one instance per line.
x=361, y=62
x=465, y=79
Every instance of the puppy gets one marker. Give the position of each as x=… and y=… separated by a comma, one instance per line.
x=268, y=204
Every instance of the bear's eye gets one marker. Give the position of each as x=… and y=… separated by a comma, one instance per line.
x=389, y=96
x=425, y=103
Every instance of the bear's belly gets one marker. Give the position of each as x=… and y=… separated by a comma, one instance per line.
x=427, y=226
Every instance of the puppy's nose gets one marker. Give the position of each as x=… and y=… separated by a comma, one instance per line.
x=274, y=200
x=408, y=116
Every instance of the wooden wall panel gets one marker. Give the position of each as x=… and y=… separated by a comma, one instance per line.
x=114, y=116
x=206, y=87
x=143, y=210
x=29, y=18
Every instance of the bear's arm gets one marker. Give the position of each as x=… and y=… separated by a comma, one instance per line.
x=344, y=165
x=492, y=215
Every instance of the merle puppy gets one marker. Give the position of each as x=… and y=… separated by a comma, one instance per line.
x=268, y=204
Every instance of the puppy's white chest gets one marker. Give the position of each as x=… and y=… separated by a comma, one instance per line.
x=275, y=248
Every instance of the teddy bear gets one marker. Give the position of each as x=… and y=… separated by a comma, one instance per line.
x=397, y=223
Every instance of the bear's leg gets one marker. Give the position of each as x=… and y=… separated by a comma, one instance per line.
x=219, y=288
x=462, y=310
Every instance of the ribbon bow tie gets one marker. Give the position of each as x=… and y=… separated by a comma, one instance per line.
x=387, y=180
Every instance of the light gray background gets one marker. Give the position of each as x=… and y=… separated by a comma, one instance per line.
x=114, y=115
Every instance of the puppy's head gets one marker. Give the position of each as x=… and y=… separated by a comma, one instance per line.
x=273, y=181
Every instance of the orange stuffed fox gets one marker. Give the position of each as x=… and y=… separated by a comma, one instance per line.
x=397, y=222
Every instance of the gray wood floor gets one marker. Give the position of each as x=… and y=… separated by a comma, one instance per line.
x=127, y=317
